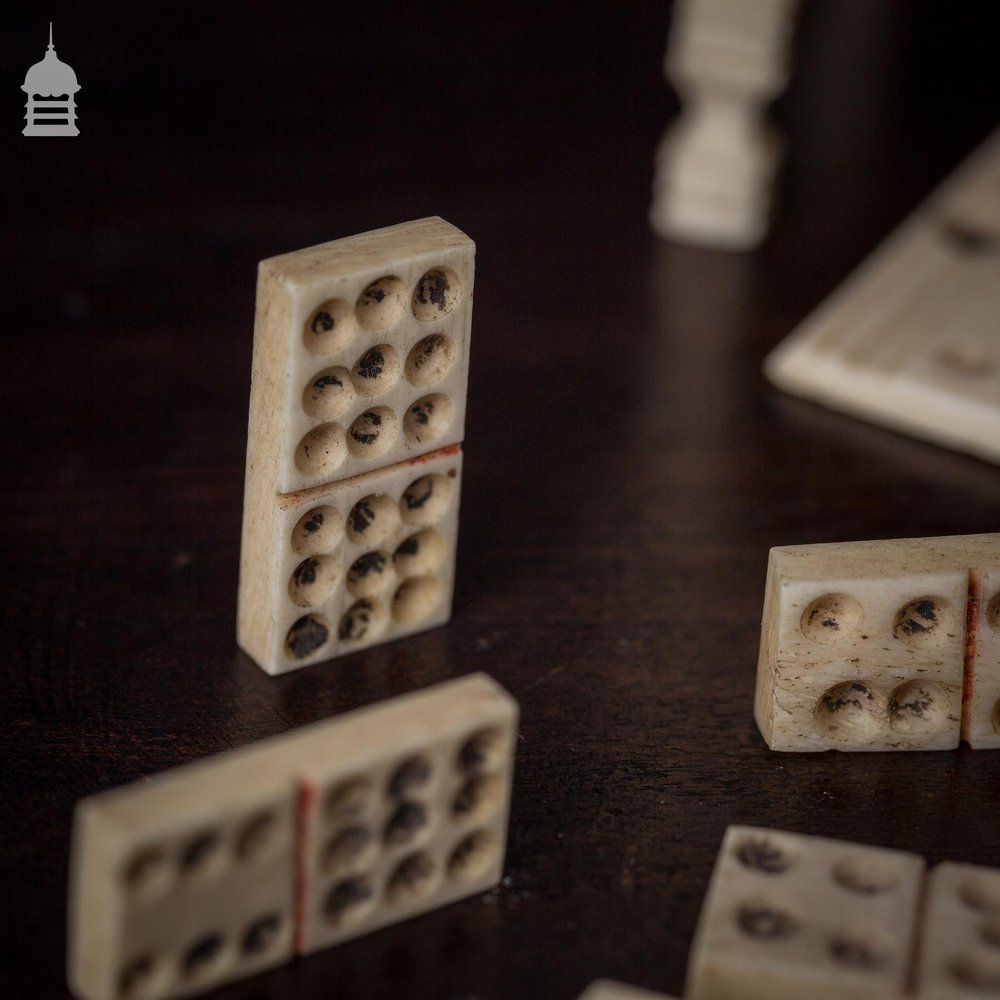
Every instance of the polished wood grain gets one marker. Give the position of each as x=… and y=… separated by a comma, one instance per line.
x=627, y=467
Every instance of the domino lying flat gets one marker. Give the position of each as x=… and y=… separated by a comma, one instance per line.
x=217, y=870
x=882, y=645
x=793, y=916
x=361, y=360
x=910, y=340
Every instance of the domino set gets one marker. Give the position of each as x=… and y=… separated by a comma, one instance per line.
x=222, y=868
x=910, y=340
x=715, y=167
x=357, y=413
x=884, y=645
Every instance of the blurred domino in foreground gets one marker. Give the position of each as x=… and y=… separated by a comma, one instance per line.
x=911, y=339
x=219, y=869
x=881, y=645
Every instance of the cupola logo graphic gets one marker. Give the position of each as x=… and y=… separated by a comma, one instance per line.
x=51, y=88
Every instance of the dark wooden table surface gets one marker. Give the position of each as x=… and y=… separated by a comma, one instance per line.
x=627, y=467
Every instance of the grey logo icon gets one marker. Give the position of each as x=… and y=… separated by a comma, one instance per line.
x=51, y=87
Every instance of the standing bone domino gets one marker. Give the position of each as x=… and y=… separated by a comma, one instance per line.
x=216, y=870
x=361, y=356
x=791, y=916
x=881, y=645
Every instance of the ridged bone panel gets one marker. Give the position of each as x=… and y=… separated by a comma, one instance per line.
x=361, y=354
x=335, y=569
x=219, y=869
x=881, y=645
